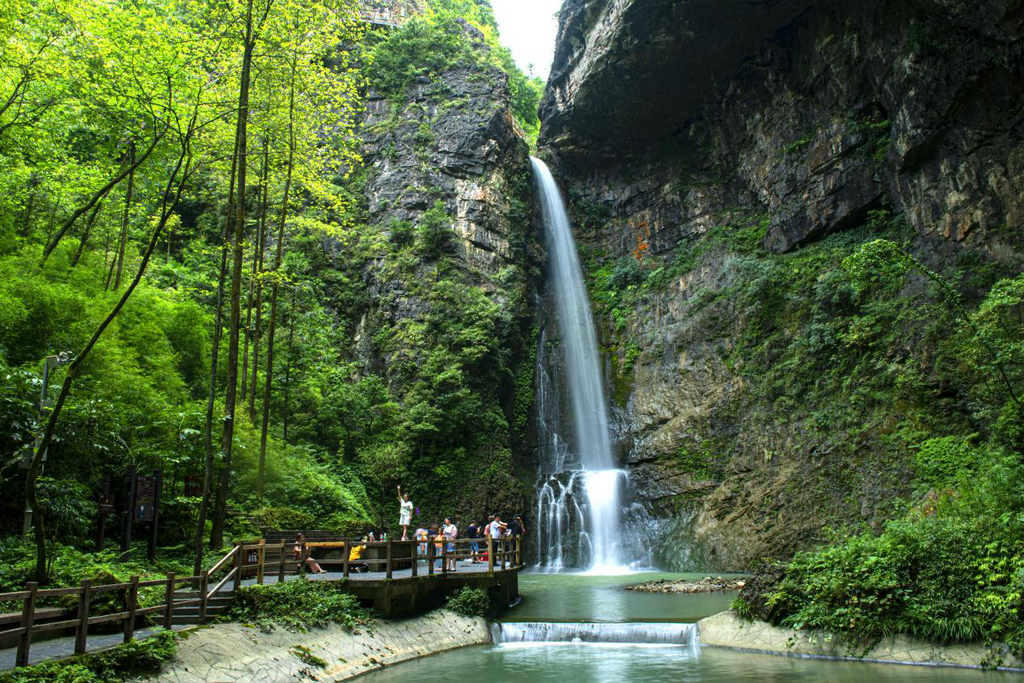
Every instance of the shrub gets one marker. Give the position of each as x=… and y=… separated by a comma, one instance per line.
x=401, y=233
x=434, y=230
x=942, y=460
x=135, y=658
x=298, y=605
x=469, y=602
x=947, y=576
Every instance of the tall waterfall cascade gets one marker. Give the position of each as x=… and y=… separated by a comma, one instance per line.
x=579, y=514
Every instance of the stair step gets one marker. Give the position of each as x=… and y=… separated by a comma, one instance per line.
x=194, y=609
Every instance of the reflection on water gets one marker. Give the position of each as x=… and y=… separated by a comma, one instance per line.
x=610, y=663
x=584, y=597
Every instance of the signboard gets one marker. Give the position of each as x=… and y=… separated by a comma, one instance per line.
x=106, y=504
x=145, y=499
x=193, y=486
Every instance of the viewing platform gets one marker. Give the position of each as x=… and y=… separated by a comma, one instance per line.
x=395, y=578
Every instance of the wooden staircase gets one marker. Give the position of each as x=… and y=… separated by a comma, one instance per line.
x=188, y=614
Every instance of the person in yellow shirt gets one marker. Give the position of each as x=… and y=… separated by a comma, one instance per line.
x=354, y=557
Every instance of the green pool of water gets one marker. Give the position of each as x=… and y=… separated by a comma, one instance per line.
x=585, y=598
x=582, y=597
x=626, y=663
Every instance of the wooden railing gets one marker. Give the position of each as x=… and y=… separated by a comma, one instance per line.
x=506, y=553
x=34, y=620
x=28, y=621
x=244, y=560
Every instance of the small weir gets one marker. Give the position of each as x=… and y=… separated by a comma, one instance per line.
x=684, y=635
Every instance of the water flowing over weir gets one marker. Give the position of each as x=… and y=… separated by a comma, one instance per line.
x=631, y=633
x=578, y=509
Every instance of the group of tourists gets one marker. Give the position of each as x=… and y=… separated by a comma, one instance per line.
x=443, y=536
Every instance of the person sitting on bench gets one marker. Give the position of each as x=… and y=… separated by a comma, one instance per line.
x=300, y=547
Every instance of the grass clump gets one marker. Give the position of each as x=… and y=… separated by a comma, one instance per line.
x=298, y=606
x=469, y=602
x=136, y=658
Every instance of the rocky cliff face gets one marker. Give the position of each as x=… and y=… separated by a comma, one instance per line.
x=448, y=285
x=723, y=160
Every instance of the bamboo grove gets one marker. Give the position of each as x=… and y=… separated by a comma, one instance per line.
x=157, y=159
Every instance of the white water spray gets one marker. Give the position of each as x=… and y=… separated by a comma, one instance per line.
x=600, y=532
x=624, y=633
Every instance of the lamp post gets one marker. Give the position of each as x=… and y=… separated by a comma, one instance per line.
x=50, y=364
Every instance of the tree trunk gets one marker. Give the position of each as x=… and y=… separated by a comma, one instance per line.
x=231, y=375
x=204, y=504
x=99, y=194
x=26, y=221
x=278, y=257
x=288, y=367
x=125, y=218
x=258, y=331
x=257, y=267
x=31, y=477
x=85, y=234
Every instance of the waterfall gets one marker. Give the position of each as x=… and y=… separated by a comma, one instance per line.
x=578, y=464
x=631, y=633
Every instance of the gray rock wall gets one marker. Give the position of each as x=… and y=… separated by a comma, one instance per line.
x=674, y=121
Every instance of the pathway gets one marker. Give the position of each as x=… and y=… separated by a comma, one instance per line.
x=57, y=648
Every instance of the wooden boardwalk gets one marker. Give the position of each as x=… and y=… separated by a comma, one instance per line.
x=396, y=578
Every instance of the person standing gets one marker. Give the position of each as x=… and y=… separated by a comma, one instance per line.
x=516, y=530
x=498, y=529
x=421, y=539
x=438, y=537
x=473, y=533
x=451, y=532
x=405, y=513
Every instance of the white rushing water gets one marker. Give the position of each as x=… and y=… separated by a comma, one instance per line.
x=596, y=532
x=623, y=633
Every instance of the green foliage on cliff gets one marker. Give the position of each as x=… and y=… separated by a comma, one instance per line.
x=454, y=34
x=860, y=340
x=951, y=572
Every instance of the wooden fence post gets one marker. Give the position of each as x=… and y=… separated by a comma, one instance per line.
x=169, y=599
x=262, y=556
x=280, y=566
x=415, y=559
x=490, y=553
x=344, y=559
x=519, y=551
x=83, y=616
x=133, y=604
x=239, y=564
x=28, y=613
x=204, y=581
x=390, y=557
x=430, y=556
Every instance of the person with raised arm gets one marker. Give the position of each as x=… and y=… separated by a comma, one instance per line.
x=405, y=513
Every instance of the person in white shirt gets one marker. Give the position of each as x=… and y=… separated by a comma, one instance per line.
x=405, y=513
x=451, y=532
x=498, y=529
